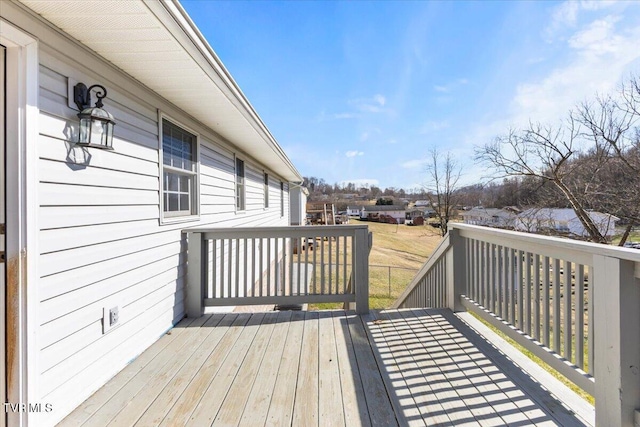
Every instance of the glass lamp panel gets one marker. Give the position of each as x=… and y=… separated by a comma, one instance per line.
x=83, y=134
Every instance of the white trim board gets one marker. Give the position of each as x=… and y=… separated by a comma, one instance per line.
x=22, y=217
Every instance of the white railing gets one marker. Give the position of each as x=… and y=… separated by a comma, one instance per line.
x=277, y=265
x=575, y=305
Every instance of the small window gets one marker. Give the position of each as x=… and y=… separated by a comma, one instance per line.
x=281, y=198
x=240, y=200
x=266, y=190
x=179, y=171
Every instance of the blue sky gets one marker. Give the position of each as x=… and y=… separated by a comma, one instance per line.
x=361, y=91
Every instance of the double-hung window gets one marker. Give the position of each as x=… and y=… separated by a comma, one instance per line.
x=240, y=197
x=281, y=198
x=266, y=190
x=179, y=171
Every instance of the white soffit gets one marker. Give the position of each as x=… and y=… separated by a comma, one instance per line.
x=158, y=45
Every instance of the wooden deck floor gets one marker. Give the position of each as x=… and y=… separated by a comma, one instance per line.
x=328, y=368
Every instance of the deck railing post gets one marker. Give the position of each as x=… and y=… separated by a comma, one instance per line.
x=361, y=268
x=616, y=298
x=456, y=280
x=196, y=274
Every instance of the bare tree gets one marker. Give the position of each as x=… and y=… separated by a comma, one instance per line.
x=543, y=152
x=443, y=176
x=611, y=123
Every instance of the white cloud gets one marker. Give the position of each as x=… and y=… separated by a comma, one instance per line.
x=393, y=141
x=602, y=55
x=380, y=99
x=566, y=15
x=354, y=153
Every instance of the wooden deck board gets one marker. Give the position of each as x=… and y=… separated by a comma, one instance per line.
x=281, y=408
x=122, y=398
x=397, y=367
x=330, y=407
x=353, y=401
x=89, y=407
x=158, y=409
x=257, y=406
x=305, y=410
x=184, y=407
x=232, y=408
x=212, y=399
x=131, y=413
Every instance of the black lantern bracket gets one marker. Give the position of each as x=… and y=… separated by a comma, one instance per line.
x=82, y=95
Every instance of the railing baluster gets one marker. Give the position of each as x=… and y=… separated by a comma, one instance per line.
x=277, y=284
x=492, y=277
x=253, y=267
x=514, y=271
x=261, y=266
x=545, y=303
x=306, y=265
x=590, y=336
x=337, y=265
x=344, y=260
x=568, y=333
x=315, y=265
x=527, y=296
x=330, y=259
x=476, y=270
x=579, y=315
x=484, y=255
x=536, y=297
x=503, y=267
x=283, y=274
x=214, y=268
x=268, y=260
x=301, y=247
x=237, y=260
x=322, y=266
x=556, y=305
x=223, y=261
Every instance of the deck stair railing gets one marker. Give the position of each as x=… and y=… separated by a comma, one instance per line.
x=277, y=265
x=575, y=305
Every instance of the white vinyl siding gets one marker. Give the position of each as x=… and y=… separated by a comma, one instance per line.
x=101, y=241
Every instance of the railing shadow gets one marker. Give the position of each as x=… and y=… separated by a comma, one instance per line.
x=439, y=371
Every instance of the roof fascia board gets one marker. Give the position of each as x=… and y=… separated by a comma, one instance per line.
x=171, y=14
x=63, y=50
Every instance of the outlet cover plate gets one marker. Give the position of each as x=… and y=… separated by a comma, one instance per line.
x=110, y=318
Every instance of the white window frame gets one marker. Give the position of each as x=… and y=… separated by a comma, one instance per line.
x=167, y=217
x=243, y=196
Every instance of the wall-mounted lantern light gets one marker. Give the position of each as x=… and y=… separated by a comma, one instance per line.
x=96, y=124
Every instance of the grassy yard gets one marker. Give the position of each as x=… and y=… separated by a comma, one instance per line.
x=395, y=246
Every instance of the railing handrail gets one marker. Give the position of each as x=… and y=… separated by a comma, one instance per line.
x=288, y=231
x=438, y=253
x=525, y=240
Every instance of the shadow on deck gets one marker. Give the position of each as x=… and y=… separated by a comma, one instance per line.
x=395, y=367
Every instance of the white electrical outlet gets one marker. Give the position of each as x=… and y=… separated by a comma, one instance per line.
x=110, y=318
